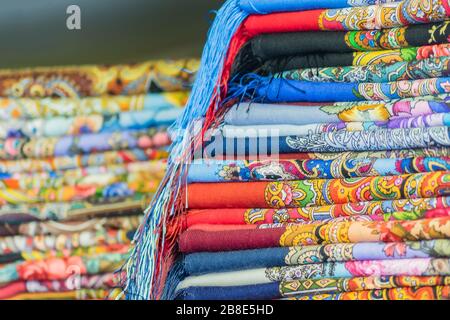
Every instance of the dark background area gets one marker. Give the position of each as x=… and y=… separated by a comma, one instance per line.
x=34, y=32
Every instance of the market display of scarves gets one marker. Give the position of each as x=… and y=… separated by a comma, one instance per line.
x=82, y=150
x=311, y=161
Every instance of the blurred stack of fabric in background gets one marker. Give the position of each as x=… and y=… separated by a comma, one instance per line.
x=83, y=148
x=323, y=170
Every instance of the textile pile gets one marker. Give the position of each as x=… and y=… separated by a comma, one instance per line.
x=312, y=160
x=82, y=151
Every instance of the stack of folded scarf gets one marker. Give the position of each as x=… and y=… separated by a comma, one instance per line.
x=82, y=150
x=315, y=158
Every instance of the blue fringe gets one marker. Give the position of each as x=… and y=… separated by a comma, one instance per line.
x=176, y=275
x=142, y=282
x=229, y=18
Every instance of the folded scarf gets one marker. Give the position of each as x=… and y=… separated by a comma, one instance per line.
x=144, y=176
x=107, y=158
x=422, y=121
x=423, y=293
x=365, y=58
x=252, y=237
x=411, y=70
x=75, y=193
x=65, y=253
x=383, y=154
x=17, y=244
x=285, y=170
x=81, y=294
x=103, y=281
x=280, y=90
x=206, y=262
x=92, y=80
x=27, y=108
x=275, y=45
x=153, y=168
x=219, y=147
x=318, y=192
x=297, y=288
x=379, y=16
x=282, y=217
x=54, y=228
x=19, y=148
x=73, y=210
x=387, y=209
x=61, y=268
x=269, y=6
x=61, y=126
x=349, y=269
x=252, y=114
x=138, y=173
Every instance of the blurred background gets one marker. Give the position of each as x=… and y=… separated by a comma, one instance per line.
x=34, y=33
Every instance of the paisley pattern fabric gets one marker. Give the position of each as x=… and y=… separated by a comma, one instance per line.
x=285, y=170
x=385, y=16
x=136, y=172
x=27, y=108
x=220, y=147
x=423, y=293
x=84, y=81
x=409, y=54
x=82, y=150
x=396, y=38
x=107, y=158
x=368, y=140
x=61, y=126
x=22, y=148
x=301, y=194
x=366, y=111
x=300, y=287
x=369, y=17
x=376, y=210
x=346, y=232
x=412, y=70
x=421, y=121
x=317, y=192
x=384, y=154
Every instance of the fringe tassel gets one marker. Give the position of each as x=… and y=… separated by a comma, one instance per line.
x=174, y=277
x=214, y=66
x=154, y=254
